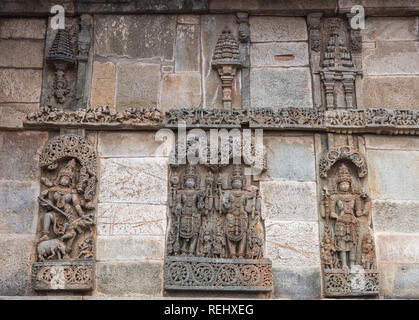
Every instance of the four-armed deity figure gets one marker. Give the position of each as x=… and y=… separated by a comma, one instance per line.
x=345, y=207
x=66, y=216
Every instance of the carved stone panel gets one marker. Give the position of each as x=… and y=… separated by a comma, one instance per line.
x=66, y=231
x=216, y=236
x=347, y=239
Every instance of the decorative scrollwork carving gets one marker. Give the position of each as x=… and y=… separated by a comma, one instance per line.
x=329, y=158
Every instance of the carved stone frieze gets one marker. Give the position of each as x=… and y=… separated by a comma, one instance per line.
x=216, y=237
x=347, y=242
x=100, y=116
x=193, y=273
x=66, y=233
x=287, y=118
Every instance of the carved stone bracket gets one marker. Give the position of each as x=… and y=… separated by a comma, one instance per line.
x=66, y=229
x=191, y=273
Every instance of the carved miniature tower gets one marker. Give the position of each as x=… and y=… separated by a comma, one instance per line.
x=226, y=61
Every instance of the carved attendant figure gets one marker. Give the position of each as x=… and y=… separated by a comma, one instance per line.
x=190, y=206
x=345, y=207
x=236, y=207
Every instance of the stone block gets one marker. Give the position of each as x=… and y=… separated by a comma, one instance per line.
x=127, y=248
x=397, y=247
x=181, y=90
x=19, y=152
x=12, y=115
x=18, y=206
x=19, y=28
x=292, y=243
x=279, y=54
x=20, y=85
x=211, y=28
x=135, y=180
x=391, y=58
x=131, y=219
x=391, y=92
x=281, y=88
x=282, y=166
x=406, y=281
x=16, y=255
x=391, y=142
x=297, y=282
x=390, y=29
x=129, y=278
x=380, y=7
x=137, y=85
x=103, y=84
x=289, y=200
x=14, y=53
x=395, y=216
x=267, y=29
x=187, y=47
x=132, y=144
x=135, y=36
x=188, y=19
x=393, y=174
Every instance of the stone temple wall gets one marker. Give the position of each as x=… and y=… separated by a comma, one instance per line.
x=160, y=55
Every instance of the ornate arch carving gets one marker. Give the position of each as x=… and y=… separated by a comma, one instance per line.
x=329, y=158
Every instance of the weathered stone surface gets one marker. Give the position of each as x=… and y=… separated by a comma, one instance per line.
x=19, y=152
x=390, y=28
x=14, y=53
x=380, y=7
x=391, y=92
x=103, y=84
x=20, y=85
x=137, y=85
x=187, y=47
x=391, y=143
x=279, y=54
x=188, y=19
x=16, y=256
x=129, y=278
x=211, y=28
x=397, y=247
x=297, y=282
x=182, y=90
x=289, y=200
x=281, y=88
x=290, y=157
x=393, y=174
x=132, y=144
x=396, y=215
x=290, y=7
x=19, y=28
x=145, y=36
x=12, y=115
x=391, y=57
x=266, y=29
x=137, y=180
x=292, y=243
x=18, y=206
x=131, y=219
x=399, y=280
x=127, y=248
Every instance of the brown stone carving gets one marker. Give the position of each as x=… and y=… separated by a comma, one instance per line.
x=347, y=245
x=216, y=237
x=65, y=245
x=103, y=115
x=67, y=61
x=226, y=60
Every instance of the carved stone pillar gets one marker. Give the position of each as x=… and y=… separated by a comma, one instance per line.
x=244, y=45
x=66, y=229
x=346, y=231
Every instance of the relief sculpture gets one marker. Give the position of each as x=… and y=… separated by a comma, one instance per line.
x=347, y=249
x=216, y=237
x=65, y=245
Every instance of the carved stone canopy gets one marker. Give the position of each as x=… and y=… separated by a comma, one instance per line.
x=329, y=158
